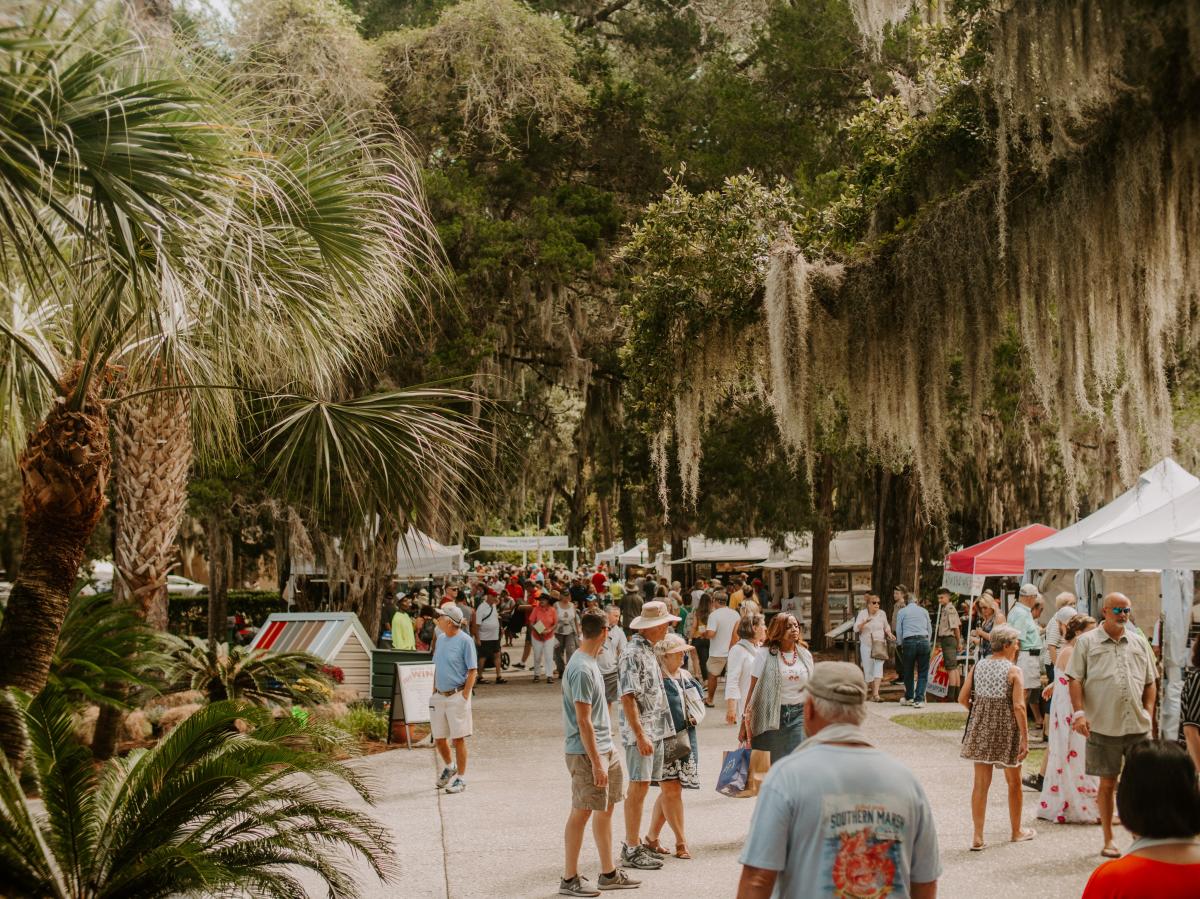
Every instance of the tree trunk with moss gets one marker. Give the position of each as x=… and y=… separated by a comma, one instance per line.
x=898, y=533
x=64, y=474
x=822, y=536
x=220, y=563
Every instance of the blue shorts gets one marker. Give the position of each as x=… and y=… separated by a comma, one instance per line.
x=644, y=768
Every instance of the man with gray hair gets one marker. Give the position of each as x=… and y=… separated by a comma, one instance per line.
x=1113, y=682
x=838, y=816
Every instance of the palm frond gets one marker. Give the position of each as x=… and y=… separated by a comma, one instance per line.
x=104, y=650
x=385, y=451
x=235, y=672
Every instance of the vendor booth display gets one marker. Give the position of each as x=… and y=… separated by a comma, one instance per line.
x=788, y=575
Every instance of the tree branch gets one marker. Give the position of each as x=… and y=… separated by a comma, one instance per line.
x=603, y=14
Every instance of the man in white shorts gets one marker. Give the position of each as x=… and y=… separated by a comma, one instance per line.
x=721, y=634
x=455, y=667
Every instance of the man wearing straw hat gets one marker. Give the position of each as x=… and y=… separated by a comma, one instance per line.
x=838, y=816
x=645, y=724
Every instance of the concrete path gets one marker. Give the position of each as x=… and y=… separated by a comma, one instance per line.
x=503, y=836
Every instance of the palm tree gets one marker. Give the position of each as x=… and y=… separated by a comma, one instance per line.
x=207, y=811
x=158, y=241
x=235, y=672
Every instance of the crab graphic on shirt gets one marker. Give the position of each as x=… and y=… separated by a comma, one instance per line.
x=863, y=867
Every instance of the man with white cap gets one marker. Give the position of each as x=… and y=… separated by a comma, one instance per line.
x=455, y=667
x=1029, y=659
x=839, y=817
x=645, y=724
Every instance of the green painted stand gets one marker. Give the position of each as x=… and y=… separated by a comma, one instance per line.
x=383, y=672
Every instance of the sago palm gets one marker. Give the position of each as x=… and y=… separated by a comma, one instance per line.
x=237, y=672
x=207, y=811
x=157, y=241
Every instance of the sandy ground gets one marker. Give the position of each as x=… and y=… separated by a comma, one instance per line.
x=503, y=836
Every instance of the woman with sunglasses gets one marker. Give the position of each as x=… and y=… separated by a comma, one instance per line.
x=873, y=631
x=774, y=717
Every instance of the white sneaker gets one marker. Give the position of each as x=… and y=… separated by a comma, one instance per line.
x=918, y=705
x=906, y=702
x=456, y=786
x=448, y=774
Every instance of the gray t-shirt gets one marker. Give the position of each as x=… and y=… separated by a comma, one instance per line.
x=582, y=682
x=842, y=821
x=614, y=645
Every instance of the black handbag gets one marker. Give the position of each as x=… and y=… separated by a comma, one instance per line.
x=677, y=747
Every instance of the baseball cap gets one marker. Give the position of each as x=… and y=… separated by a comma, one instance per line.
x=453, y=612
x=838, y=682
x=1029, y=590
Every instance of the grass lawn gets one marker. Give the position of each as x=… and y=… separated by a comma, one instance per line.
x=956, y=721
x=932, y=721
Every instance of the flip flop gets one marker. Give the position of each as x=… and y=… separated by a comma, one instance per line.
x=1110, y=852
x=978, y=847
x=1027, y=834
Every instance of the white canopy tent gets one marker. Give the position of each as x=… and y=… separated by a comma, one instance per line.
x=847, y=549
x=609, y=555
x=419, y=556
x=700, y=549
x=1149, y=528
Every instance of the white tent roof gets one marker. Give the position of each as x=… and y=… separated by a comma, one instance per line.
x=610, y=555
x=847, y=549
x=1167, y=537
x=639, y=555
x=418, y=555
x=753, y=549
x=1089, y=544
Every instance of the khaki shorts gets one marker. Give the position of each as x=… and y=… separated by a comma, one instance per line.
x=949, y=648
x=716, y=665
x=449, y=716
x=1104, y=756
x=585, y=793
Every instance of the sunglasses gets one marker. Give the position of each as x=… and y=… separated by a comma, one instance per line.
x=1118, y=610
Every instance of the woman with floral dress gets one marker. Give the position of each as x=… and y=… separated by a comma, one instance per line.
x=997, y=731
x=1068, y=792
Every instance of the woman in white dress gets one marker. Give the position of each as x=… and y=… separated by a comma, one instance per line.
x=1068, y=791
x=871, y=625
x=752, y=629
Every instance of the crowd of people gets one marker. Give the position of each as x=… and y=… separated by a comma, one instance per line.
x=641, y=660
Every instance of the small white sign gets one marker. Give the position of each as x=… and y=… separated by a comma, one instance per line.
x=414, y=685
x=962, y=583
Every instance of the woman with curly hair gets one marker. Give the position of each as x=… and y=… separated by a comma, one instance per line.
x=774, y=717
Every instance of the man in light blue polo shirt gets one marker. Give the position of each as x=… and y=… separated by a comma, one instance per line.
x=839, y=817
x=914, y=630
x=1029, y=659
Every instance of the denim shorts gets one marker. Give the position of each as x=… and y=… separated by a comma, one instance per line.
x=644, y=768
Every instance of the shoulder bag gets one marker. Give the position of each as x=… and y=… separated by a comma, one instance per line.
x=693, y=700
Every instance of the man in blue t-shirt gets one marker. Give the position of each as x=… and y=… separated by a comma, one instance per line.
x=597, y=780
x=455, y=667
x=838, y=817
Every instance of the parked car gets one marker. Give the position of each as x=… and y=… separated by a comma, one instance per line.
x=178, y=585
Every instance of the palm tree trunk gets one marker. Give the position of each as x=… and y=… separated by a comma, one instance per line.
x=64, y=475
x=153, y=456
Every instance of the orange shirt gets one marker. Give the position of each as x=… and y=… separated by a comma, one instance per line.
x=1127, y=878
x=548, y=617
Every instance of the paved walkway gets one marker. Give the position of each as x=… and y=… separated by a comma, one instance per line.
x=503, y=836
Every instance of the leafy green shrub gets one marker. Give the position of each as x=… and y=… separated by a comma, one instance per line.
x=364, y=722
x=206, y=811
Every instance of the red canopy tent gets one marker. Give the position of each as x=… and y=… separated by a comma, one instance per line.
x=1002, y=556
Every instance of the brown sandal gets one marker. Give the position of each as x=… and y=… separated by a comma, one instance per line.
x=681, y=851
x=654, y=846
